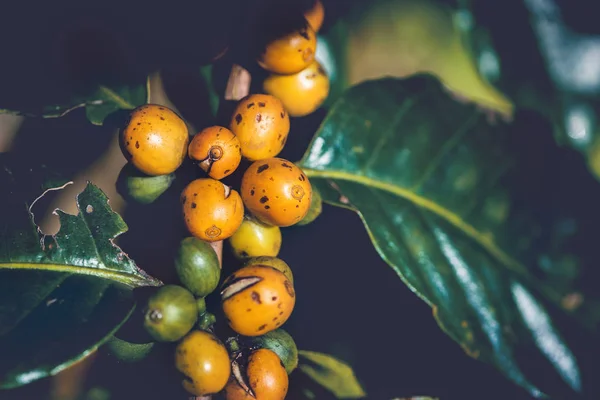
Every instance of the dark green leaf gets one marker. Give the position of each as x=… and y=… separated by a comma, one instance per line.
x=98, y=104
x=544, y=61
x=61, y=296
x=127, y=351
x=207, y=74
x=456, y=211
x=96, y=393
x=331, y=373
x=331, y=55
x=84, y=245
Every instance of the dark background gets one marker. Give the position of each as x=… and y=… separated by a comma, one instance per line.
x=350, y=303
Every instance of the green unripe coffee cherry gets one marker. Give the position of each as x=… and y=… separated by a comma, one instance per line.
x=254, y=238
x=281, y=343
x=143, y=189
x=171, y=313
x=316, y=206
x=126, y=351
x=197, y=266
x=273, y=262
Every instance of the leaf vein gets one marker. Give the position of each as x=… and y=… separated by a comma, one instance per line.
x=389, y=132
x=120, y=101
x=452, y=141
x=126, y=278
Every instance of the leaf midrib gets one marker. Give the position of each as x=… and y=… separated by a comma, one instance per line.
x=454, y=219
x=121, y=277
x=120, y=101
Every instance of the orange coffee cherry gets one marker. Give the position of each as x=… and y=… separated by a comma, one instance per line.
x=257, y=299
x=315, y=15
x=272, y=262
x=216, y=150
x=262, y=125
x=290, y=53
x=155, y=139
x=235, y=391
x=276, y=191
x=211, y=210
x=203, y=359
x=300, y=93
x=265, y=378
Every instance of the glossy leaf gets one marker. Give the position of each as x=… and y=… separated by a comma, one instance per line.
x=61, y=296
x=98, y=104
x=455, y=210
x=416, y=398
x=546, y=61
x=331, y=373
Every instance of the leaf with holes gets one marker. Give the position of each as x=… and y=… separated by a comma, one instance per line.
x=461, y=211
x=98, y=104
x=61, y=296
x=331, y=373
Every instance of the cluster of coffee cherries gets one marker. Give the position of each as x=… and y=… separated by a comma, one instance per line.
x=296, y=77
x=259, y=297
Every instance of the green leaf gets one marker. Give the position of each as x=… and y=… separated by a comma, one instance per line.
x=207, y=74
x=84, y=245
x=98, y=104
x=127, y=351
x=96, y=393
x=539, y=64
x=452, y=207
x=61, y=296
x=332, y=374
x=390, y=38
x=331, y=55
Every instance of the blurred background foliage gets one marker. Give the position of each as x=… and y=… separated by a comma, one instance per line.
x=358, y=310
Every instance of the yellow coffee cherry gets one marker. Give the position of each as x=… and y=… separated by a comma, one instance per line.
x=204, y=360
x=301, y=93
x=254, y=238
